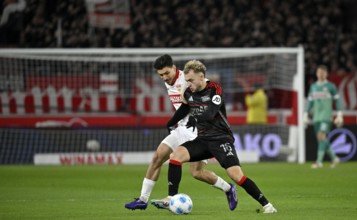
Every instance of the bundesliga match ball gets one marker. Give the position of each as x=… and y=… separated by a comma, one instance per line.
x=181, y=204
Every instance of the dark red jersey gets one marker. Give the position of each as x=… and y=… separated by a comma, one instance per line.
x=208, y=108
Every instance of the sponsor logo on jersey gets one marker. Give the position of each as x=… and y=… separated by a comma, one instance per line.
x=199, y=110
x=175, y=98
x=321, y=95
x=205, y=98
x=216, y=99
x=343, y=143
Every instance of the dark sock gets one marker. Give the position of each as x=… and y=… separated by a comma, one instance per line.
x=252, y=189
x=174, y=177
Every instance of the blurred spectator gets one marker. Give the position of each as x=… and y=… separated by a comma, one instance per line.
x=11, y=21
x=326, y=29
x=12, y=6
x=257, y=106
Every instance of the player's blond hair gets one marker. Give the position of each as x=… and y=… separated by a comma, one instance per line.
x=323, y=67
x=196, y=66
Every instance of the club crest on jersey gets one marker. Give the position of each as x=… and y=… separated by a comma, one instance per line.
x=216, y=99
x=205, y=98
x=178, y=87
x=190, y=99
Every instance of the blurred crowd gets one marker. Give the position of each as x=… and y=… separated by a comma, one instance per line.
x=326, y=29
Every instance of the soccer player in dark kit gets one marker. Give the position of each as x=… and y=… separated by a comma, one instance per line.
x=203, y=100
x=176, y=84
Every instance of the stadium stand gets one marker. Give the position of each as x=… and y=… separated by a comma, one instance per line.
x=326, y=29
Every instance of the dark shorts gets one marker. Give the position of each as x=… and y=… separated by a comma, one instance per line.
x=222, y=150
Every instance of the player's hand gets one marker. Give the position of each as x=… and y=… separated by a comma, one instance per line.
x=306, y=119
x=339, y=119
x=191, y=123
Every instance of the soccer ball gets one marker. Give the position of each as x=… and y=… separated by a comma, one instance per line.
x=181, y=204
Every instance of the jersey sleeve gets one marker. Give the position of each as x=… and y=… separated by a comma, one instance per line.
x=186, y=94
x=336, y=97
x=180, y=113
x=213, y=106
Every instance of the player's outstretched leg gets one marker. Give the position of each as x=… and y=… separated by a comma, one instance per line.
x=232, y=197
x=161, y=203
x=136, y=204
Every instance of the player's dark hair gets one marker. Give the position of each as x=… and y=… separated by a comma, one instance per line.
x=163, y=61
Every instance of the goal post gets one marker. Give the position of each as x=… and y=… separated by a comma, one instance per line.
x=72, y=94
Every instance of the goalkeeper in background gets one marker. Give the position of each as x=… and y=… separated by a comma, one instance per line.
x=320, y=100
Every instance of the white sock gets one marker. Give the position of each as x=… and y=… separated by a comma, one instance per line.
x=221, y=184
x=146, y=189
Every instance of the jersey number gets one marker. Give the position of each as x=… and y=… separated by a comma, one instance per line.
x=227, y=149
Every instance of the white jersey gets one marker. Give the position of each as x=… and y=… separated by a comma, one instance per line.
x=175, y=92
x=181, y=134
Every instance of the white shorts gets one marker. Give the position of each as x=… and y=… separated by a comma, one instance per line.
x=179, y=136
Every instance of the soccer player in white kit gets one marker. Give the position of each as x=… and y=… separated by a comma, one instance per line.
x=176, y=84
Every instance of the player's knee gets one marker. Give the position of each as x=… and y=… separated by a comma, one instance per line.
x=321, y=136
x=197, y=174
x=180, y=155
x=235, y=173
x=158, y=159
x=173, y=156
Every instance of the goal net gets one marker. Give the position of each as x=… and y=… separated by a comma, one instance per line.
x=94, y=102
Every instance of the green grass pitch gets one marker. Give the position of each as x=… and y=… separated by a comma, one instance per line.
x=99, y=192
